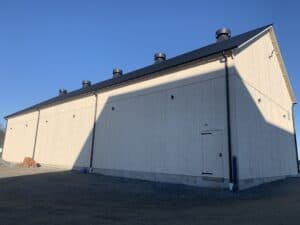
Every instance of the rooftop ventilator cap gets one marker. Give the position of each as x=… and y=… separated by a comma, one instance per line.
x=223, y=34
x=86, y=83
x=62, y=91
x=117, y=72
x=160, y=57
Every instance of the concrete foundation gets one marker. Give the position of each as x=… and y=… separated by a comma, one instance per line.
x=199, y=181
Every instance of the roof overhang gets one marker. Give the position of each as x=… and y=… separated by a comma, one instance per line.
x=200, y=54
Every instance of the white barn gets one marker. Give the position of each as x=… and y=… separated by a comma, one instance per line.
x=218, y=116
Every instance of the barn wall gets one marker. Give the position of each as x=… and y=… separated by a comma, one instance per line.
x=64, y=133
x=259, y=67
x=141, y=128
x=19, y=138
x=263, y=117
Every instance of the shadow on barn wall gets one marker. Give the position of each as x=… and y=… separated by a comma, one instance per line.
x=158, y=129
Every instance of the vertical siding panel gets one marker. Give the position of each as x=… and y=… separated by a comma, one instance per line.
x=263, y=132
x=20, y=136
x=157, y=133
x=65, y=140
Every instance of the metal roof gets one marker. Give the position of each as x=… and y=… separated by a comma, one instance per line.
x=197, y=54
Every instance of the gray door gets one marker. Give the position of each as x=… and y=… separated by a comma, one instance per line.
x=212, y=157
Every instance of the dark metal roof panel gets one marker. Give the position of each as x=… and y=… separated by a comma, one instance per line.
x=197, y=54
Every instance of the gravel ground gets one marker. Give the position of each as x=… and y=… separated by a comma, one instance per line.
x=47, y=196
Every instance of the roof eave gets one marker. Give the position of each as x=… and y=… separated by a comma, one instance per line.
x=198, y=54
x=95, y=89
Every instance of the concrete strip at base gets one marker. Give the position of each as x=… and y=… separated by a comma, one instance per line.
x=166, y=178
x=201, y=181
x=249, y=183
x=21, y=171
x=59, y=167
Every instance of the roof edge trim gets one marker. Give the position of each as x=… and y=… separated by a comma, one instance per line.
x=270, y=29
x=282, y=66
x=256, y=36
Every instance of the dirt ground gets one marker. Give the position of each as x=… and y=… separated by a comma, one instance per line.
x=47, y=196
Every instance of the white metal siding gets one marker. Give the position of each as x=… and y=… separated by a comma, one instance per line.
x=65, y=133
x=149, y=132
x=20, y=136
x=259, y=67
x=263, y=118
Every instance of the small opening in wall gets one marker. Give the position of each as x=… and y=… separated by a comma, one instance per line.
x=172, y=96
x=74, y=115
x=284, y=116
x=259, y=100
x=46, y=121
x=113, y=108
x=26, y=125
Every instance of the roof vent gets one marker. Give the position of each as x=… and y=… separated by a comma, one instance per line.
x=160, y=57
x=86, y=83
x=223, y=34
x=117, y=72
x=62, y=91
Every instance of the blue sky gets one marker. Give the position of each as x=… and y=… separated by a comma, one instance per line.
x=47, y=45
